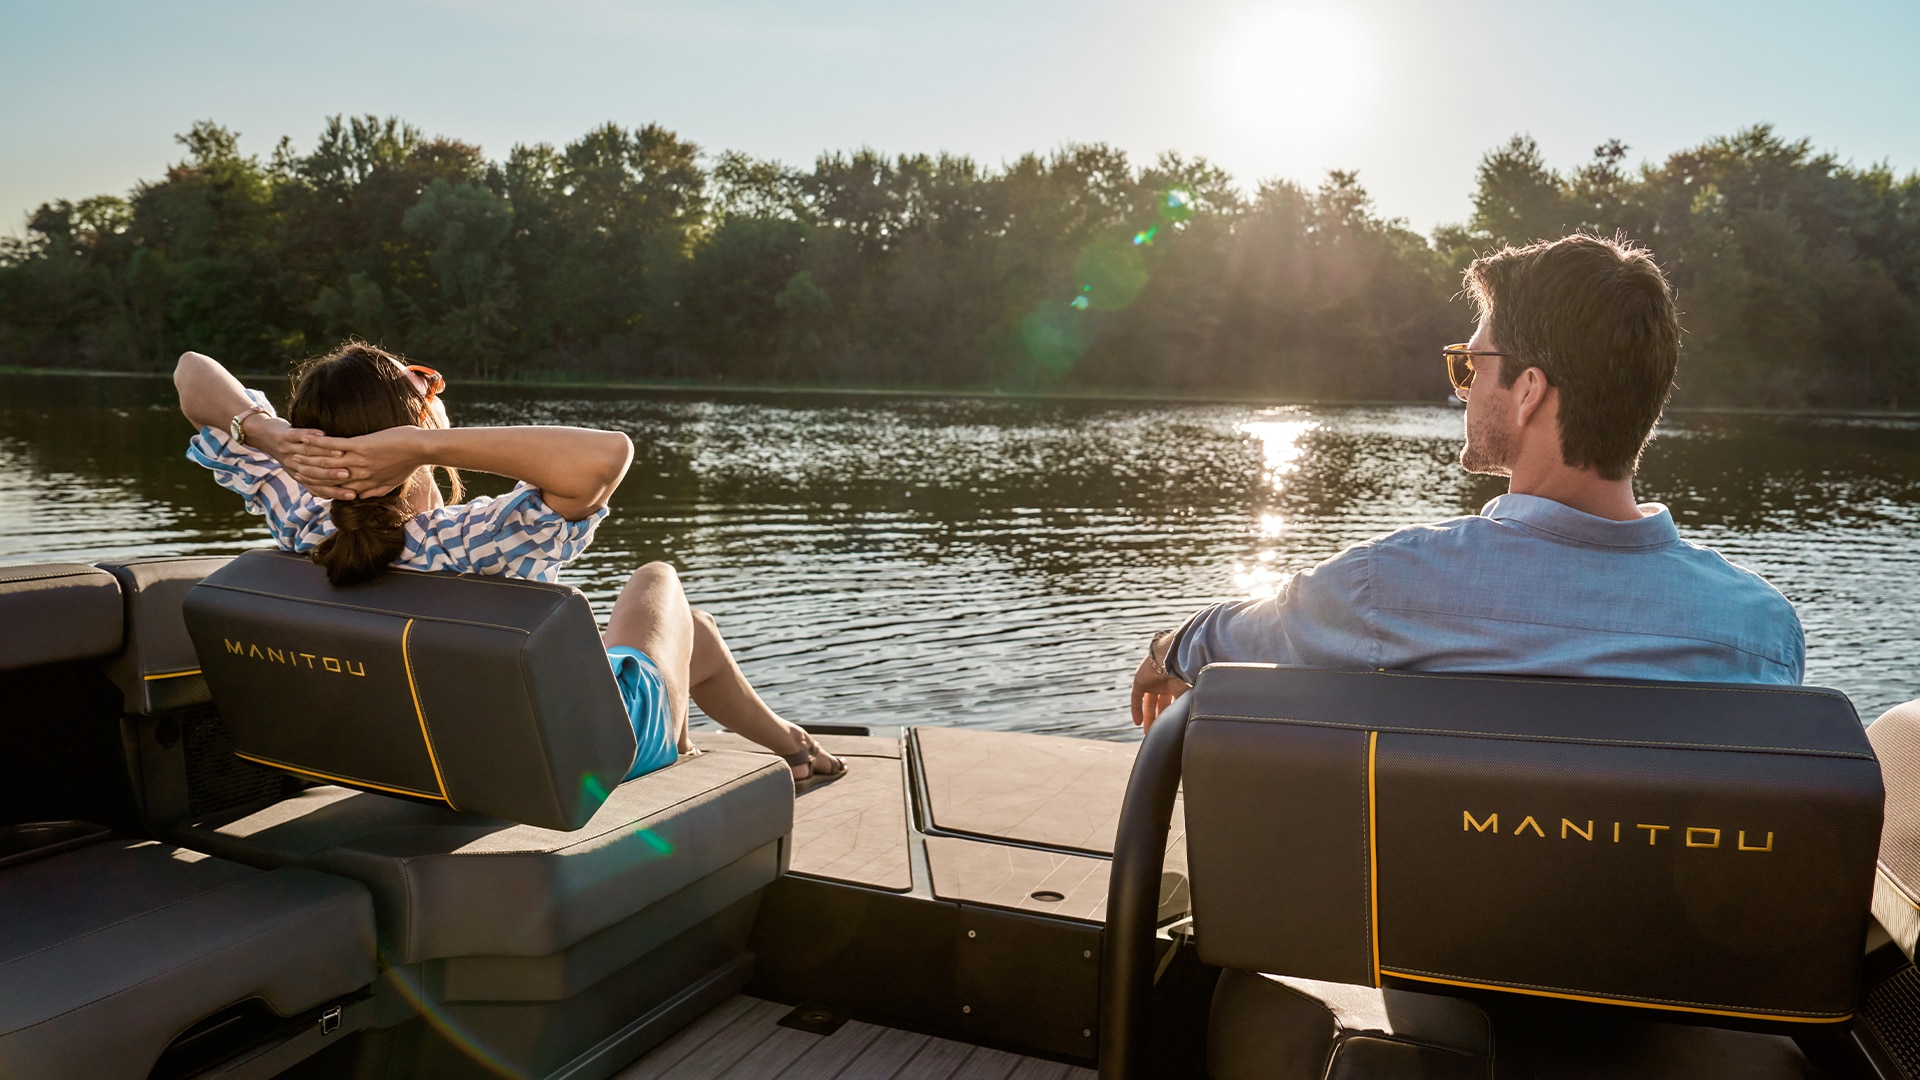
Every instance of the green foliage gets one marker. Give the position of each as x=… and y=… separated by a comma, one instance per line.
x=627, y=253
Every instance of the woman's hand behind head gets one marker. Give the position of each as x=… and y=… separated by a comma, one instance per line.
x=362, y=466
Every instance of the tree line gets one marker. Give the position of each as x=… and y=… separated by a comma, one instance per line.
x=628, y=253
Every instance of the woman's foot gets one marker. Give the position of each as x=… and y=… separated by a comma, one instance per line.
x=811, y=765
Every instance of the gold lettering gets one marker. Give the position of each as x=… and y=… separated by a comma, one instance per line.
x=1743, y=842
x=276, y=655
x=1616, y=832
x=330, y=664
x=1691, y=829
x=1585, y=834
x=1653, y=832
x=1468, y=822
x=350, y=671
x=1532, y=824
x=309, y=657
x=237, y=647
x=254, y=652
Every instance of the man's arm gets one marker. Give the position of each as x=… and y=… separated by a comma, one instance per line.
x=1317, y=619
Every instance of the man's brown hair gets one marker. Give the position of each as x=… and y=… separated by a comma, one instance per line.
x=1596, y=316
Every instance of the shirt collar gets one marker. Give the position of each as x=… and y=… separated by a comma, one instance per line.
x=1654, y=530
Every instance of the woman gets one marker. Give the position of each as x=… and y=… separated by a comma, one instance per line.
x=349, y=480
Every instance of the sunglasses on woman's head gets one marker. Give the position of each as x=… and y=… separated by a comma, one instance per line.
x=435, y=381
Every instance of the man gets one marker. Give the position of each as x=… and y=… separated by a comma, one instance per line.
x=1566, y=574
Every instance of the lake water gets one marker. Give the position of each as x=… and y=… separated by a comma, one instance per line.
x=997, y=563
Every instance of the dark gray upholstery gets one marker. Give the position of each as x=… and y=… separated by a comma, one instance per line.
x=448, y=884
x=110, y=951
x=1896, y=884
x=1686, y=847
x=55, y=612
x=492, y=696
x=1264, y=1027
x=158, y=671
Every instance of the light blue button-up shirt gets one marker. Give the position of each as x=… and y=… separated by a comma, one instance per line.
x=1528, y=586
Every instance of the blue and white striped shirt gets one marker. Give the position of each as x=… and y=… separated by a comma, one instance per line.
x=514, y=535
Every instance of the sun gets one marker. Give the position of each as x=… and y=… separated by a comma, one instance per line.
x=1295, y=69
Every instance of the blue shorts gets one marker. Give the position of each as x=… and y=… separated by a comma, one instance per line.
x=648, y=711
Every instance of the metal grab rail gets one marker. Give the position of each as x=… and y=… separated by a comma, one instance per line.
x=1133, y=897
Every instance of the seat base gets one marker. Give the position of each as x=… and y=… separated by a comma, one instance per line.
x=1282, y=1029
x=143, y=941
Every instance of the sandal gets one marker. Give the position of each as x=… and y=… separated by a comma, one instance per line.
x=815, y=775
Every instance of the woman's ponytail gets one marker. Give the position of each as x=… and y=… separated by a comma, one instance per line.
x=370, y=534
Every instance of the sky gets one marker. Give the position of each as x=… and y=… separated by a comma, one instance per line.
x=1409, y=94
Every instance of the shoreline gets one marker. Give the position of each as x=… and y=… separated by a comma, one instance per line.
x=1094, y=394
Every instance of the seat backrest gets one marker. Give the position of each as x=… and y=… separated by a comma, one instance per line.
x=52, y=613
x=1896, y=882
x=490, y=695
x=1691, y=847
x=59, y=741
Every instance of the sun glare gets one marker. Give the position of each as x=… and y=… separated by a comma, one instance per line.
x=1294, y=70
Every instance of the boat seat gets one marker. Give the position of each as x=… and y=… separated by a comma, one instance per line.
x=470, y=741
x=1656, y=851
x=1896, y=885
x=55, y=613
x=178, y=753
x=450, y=884
x=112, y=950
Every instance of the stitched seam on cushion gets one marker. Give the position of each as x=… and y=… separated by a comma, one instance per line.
x=1348, y=1034
x=1589, y=629
x=1893, y=879
x=135, y=917
x=522, y=852
x=1568, y=739
x=1366, y=869
x=163, y=974
x=389, y=613
x=1467, y=676
x=1678, y=1002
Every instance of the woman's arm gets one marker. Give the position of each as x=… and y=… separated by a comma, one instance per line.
x=576, y=469
x=211, y=397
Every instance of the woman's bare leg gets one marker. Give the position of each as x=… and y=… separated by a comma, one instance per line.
x=652, y=615
x=722, y=691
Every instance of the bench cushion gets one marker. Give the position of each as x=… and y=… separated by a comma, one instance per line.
x=159, y=671
x=110, y=951
x=451, y=884
x=55, y=612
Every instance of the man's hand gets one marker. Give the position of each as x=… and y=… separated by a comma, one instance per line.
x=1154, y=692
x=366, y=465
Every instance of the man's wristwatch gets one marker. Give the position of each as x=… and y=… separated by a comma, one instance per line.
x=1158, y=650
x=235, y=429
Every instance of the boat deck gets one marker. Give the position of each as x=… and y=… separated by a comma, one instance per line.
x=742, y=1038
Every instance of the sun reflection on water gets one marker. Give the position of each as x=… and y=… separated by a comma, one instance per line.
x=1280, y=445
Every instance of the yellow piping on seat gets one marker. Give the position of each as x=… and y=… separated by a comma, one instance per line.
x=406, y=659
x=330, y=778
x=1373, y=851
x=170, y=675
x=1630, y=1003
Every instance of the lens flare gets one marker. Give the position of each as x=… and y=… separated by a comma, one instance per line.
x=1176, y=205
x=1145, y=239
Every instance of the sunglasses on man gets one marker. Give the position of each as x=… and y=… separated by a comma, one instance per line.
x=1460, y=368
